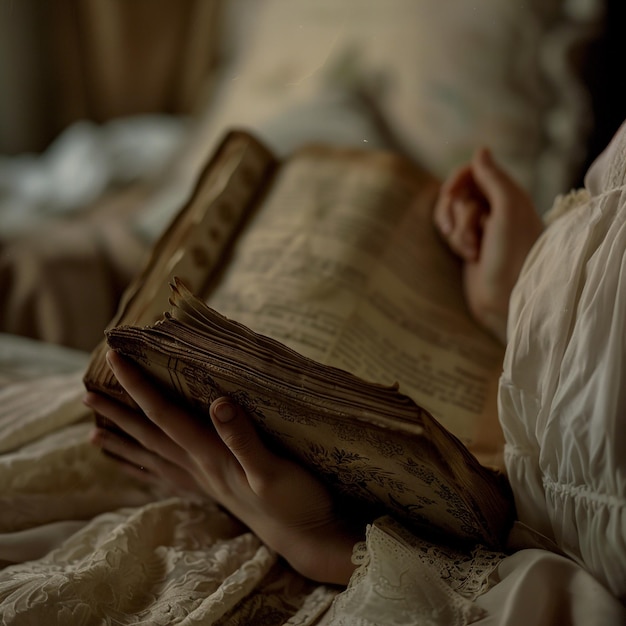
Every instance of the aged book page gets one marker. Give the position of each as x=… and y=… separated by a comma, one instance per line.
x=343, y=265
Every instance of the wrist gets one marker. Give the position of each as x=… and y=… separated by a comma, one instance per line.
x=325, y=555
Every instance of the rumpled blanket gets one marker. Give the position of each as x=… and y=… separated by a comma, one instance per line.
x=82, y=544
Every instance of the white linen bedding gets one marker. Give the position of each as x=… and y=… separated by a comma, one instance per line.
x=80, y=543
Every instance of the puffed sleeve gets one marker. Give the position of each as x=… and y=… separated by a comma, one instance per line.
x=562, y=396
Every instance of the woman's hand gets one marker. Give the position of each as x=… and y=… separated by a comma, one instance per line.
x=286, y=507
x=490, y=222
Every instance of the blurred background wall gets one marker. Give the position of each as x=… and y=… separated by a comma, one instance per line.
x=65, y=60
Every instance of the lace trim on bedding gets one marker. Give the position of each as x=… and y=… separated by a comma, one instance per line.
x=169, y=562
x=402, y=579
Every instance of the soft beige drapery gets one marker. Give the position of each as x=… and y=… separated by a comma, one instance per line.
x=64, y=60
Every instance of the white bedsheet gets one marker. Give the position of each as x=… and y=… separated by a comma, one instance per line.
x=80, y=543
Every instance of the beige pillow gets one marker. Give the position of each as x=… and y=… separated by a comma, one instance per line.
x=446, y=76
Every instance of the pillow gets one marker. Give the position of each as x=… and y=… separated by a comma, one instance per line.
x=443, y=76
x=563, y=389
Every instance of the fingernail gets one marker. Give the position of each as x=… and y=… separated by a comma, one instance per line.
x=225, y=412
x=109, y=360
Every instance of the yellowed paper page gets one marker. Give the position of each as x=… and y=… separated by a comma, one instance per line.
x=341, y=264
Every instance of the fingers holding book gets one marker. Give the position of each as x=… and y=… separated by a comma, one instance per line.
x=145, y=450
x=143, y=464
x=164, y=442
x=225, y=459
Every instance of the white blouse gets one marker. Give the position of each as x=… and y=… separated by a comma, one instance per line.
x=563, y=389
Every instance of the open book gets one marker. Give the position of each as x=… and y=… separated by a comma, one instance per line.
x=316, y=293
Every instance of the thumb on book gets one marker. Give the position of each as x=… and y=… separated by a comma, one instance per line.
x=239, y=434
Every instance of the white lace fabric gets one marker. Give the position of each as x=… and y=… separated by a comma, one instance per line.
x=402, y=580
